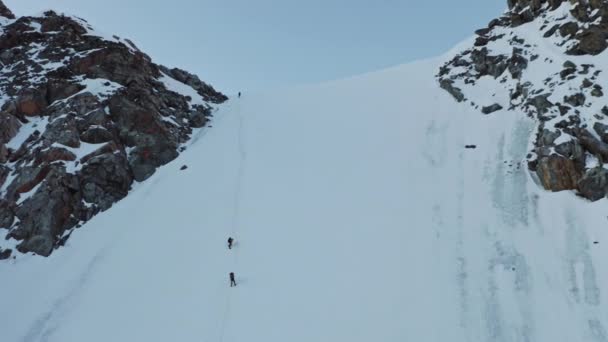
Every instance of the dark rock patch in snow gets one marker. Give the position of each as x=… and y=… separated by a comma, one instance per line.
x=491, y=109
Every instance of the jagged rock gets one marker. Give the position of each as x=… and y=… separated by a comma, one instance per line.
x=557, y=173
x=202, y=88
x=7, y=214
x=63, y=131
x=568, y=29
x=581, y=11
x=53, y=154
x=596, y=4
x=27, y=178
x=199, y=118
x=517, y=5
x=569, y=65
x=114, y=64
x=566, y=72
x=481, y=41
x=554, y=4
x=9, y=126
x=563, y=110
x=547, y=137
x=483, y=31
x=517, y=64
x=31, y=102
x=5, y=12
x=47, y=213
x=594, y=184
x=575, y=100
x=448, y=85
x=96, y=135
x=520, y=18
x=5, y=253
x=60, y=89
x=541, y=103
x=138, y=123
x=601, y=130
x=586, y=83
x=597, y=91
x=96, y=117
x=573, y=151
x=551, y=31
x=3, y=154
x=591, y=42
x=41, y=244
x=491, y=109
x=106, y=179
x=486, y=64
x=592, y=144
x=154, y=143
x=145, y=159
x=110, y=148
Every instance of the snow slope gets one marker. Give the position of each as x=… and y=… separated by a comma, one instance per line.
x=358, y=216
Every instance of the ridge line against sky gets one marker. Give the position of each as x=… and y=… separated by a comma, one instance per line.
x=256, y=45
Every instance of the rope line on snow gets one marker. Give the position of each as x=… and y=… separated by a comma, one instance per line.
x=236, y=210
x=224, y=319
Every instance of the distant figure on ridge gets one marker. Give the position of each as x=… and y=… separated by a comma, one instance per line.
x=239, y=94
x=232, y=281
x=230, y=241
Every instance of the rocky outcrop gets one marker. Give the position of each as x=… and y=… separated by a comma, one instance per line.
x=203, y=89
x=594, y=184
x=491, y=109
x=558, y=173
x=589, y=31
x=566, y=102
x=81, y=118
x=5, y=12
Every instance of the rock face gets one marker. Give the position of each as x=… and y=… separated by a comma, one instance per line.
x=589, y=31
x=5, y=12
x=81, y=118
x=566, y=102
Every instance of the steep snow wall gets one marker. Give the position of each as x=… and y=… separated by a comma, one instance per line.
x=358, y=214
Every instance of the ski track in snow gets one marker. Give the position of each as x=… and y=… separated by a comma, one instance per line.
x=43, y=328
x=236, y=222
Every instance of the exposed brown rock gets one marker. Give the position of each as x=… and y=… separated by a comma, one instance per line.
x=558, y=173
x=9, y=126
x=31, y=102
x=128, y=111
x=5, y=12
x=54, y=154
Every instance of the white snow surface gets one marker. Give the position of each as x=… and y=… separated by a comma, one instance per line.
x=358, y=216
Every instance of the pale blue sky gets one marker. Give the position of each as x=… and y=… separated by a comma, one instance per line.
x=260, y=44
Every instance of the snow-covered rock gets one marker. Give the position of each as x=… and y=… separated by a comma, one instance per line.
x=546, y=60
x=82, y=116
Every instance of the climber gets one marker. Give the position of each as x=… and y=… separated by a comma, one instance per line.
x=230, y=241
x=232, y=281
x=239, y=94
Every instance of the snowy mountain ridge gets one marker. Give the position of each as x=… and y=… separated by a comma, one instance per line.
x=83, y=115
x=545, y=59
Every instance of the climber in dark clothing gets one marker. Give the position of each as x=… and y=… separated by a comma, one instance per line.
x=230, y=241
x=232, y=281
x=239, y=94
